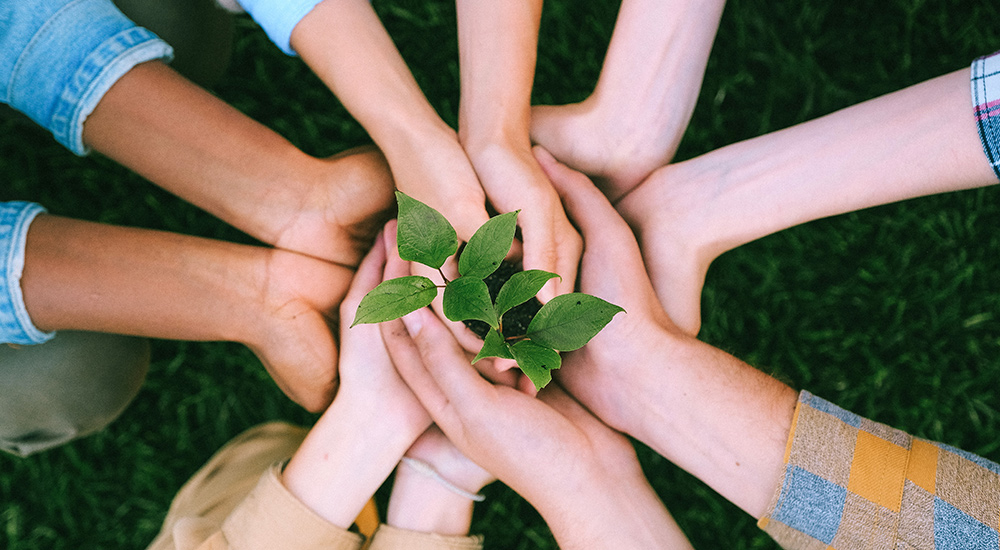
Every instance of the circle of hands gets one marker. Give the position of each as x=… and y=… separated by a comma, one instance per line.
x=558, y=448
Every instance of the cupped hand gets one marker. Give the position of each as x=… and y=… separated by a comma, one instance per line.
x=439, y=175
x=612, y=269
x=339, y=208
x=582, y=476
x=513, y=180
x=499, y=427
x=295, y=330
x=368, y=379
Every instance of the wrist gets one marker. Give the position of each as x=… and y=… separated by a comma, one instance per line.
x=409, y=136
x=343, y=461
x=480, y=136
x=611, y=509
x=422, y=503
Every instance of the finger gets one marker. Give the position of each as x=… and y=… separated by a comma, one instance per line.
x=589, y=209
x=410, y=365
x=445, y=360
x=368, y=276
x=540, y=250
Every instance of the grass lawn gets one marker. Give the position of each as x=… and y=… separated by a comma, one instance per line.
x=892, y=312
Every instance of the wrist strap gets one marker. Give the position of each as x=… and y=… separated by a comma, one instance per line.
x=427, y=470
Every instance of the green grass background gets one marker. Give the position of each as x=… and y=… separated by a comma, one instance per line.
x=891, y=312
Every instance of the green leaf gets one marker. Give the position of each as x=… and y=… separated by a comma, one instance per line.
x=488, y=246
x=493, y=346
x=394, y=298
x=468, y=298
x=536, y=362
x=423, y=235
x=569, y=321
x=521, y=287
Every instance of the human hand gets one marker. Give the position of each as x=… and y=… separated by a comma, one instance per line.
x=371, y=423
x=437, y=172
x=644, y=98
x=611, y=269
x=338, y=207
x=692, y=403
x=583, y=478
x=513, y=180
x=422, y=503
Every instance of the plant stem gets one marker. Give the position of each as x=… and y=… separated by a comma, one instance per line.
x=446, y=281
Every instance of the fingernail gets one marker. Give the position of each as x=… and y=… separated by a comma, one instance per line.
x=414, y=322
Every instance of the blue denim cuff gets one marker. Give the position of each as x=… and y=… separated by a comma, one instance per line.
x=279, y=17
x=15, y=324
x=986, y=100
x=59, y=58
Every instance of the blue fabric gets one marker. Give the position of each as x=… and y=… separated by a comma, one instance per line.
x=59, y=57
x=15, y=324
x=810, y=504
x=279, y=17
x=956, y=530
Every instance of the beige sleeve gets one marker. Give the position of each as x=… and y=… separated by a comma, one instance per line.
x=240, y=490
x=393, y=538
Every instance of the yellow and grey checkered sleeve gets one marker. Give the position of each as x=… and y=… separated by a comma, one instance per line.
x=850, y=483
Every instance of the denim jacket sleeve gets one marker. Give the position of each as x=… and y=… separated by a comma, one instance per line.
x=15, y=325
x=59, y=57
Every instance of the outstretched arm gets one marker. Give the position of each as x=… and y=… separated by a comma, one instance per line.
x=918, y=141
x=198, y=147
x=644, y=98
x=345, y=44
x=86, y=276
x=497, y=44
x=711, y=414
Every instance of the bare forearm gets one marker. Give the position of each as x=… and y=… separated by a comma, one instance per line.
x=420, y=503
x=497, y=43
x=918, y=141
x=86, y=276
x=656, y=61
x=613, y=510
x=196, y=146
x=720, y=419
x=345, y=44
x=345, y=459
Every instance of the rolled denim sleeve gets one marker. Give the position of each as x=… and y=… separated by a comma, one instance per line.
x=59, y=57
x=279, y=17
x=15, y=324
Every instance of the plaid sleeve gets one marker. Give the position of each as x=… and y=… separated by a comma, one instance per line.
x=850, y=483
x=986, y=100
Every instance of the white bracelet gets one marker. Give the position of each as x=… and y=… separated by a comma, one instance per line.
x=427, y=470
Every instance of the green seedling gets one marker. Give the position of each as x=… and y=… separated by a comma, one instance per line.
x=565, y=323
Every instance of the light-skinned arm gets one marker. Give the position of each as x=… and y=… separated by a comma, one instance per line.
x=345, y=44
x=584, y=478
x=421, y=503
x=497, y=43
x=191, y=143
x=720, y=419
x=375, y=418
x=918, y=141
x=634, y=120
x=81, y=275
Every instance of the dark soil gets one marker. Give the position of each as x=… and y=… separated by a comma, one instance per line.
x=515, y=321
